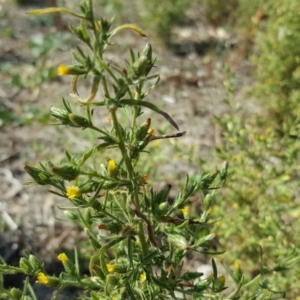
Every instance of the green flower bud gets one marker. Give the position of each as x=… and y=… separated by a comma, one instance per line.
x=35, y=263
x=67, y=171
x=207, y=180
x=61, y=114
x=203, y=284
x=147, y=52
x=16, y=293
x=219, y=284
x=25, y=265
x=142, y=130
x=179, y=241
x=162, y=208
x=112, y=280
x=40, y=176
x=138, y=68
x=224, y=170
x=207, y=201
x=121, y=268
x=79, y=121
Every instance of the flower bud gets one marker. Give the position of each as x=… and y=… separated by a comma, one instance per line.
x=112, y=280
x=16, y=293
x=162, y=208
x=219, y=284
x=143, y=65
x=238, y=273
x=35, y=263
x=223, y=170
x=207, y=180
x=68, y=265
x=207, y=201
x=63, y=70
x=121, y=268
x=203, y=284
x=67, y=171
x=142, y=130
x=40, y=176
x=179, y=241
x=61, y=114
x=79, y=121
x=25, y=265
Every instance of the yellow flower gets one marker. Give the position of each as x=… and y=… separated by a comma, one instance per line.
x=222, y=279
x=63, y=70
x=143, y=277
x=63, y=257
x=110, y=268
x=237, y=264
x=185, y=211
x=42, y=278
x=72, y=192
x=111, y=167
x=151, y=131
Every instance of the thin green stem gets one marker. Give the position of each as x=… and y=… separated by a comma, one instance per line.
x=105, y=88
x=246, y=285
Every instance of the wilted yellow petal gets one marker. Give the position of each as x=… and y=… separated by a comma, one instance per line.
x=133, y=27
x=48, y=10
x=52, y=10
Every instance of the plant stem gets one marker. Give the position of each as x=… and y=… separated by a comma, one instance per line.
x=131, y=177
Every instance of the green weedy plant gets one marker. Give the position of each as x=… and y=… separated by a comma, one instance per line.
x=146, y=238
x=262, y=210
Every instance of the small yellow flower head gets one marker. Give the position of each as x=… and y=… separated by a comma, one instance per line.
x=185, y=211
x=72, y=192
x=42, y=278
x=143, y=277
x=111, y=167
x=237, y=265
x=62, y=257
x=151, y=131
x=109, y=119
x=63, y=70
x=110, y=268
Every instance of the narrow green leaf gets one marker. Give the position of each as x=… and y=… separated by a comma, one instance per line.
x=150, y=106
